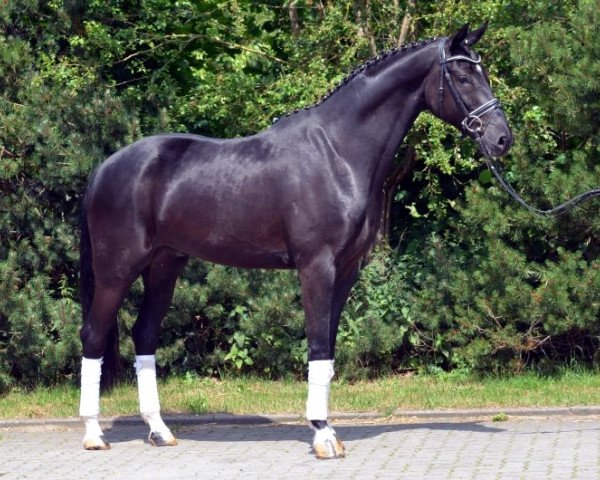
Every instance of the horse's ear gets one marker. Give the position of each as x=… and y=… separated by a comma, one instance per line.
x=474, y=36
x=459, y=38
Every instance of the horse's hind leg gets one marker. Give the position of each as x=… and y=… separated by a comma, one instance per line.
x=94, y=336
x=159, y=283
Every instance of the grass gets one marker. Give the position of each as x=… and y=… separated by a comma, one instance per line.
x=193, y=394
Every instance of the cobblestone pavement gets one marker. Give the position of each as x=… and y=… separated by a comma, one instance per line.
x=530, y=448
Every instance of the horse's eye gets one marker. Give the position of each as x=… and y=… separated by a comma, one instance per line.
x=463, y=79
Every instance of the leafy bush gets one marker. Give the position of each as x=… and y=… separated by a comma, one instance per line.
x=469, y=279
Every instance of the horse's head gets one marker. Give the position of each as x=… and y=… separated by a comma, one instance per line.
x=459, y=93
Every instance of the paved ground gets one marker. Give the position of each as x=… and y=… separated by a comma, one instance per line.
x=557, y=447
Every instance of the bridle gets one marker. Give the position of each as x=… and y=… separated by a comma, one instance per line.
x=473, y=124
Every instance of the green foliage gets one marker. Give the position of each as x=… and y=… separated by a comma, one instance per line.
x=562, y=58
x=376, y=329
x=471, y=280
x=57, y=123
x=505, y=288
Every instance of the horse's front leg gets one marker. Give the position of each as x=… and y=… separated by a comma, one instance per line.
x=326, y=444
x=323, y=295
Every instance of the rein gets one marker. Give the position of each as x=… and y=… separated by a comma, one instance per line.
x=559, y=209
x=474, y=125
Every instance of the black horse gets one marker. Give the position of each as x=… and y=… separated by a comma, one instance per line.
x=305, y=193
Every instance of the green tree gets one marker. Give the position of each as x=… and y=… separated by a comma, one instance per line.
x=508, y=288
x=57, y=122
x=468, y=278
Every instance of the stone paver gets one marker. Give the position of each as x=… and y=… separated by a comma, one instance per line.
x=533, y=448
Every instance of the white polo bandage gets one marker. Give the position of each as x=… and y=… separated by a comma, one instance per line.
x=320, y=373
x=92, y=428
x=145, y=368
x=89, y=404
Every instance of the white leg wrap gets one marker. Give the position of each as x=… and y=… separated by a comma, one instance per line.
x=145, y=368
x=320, y=373
x=89, y=405
x=92, y=428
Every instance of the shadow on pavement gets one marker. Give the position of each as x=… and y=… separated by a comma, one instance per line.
x=263, y=429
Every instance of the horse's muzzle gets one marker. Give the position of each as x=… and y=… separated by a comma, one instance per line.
x=497, y=136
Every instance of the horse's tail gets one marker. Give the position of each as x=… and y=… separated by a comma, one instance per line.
x=111, y=366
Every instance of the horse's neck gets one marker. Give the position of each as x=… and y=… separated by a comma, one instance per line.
x=373, y=112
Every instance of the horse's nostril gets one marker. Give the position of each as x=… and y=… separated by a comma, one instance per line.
x=502, y=141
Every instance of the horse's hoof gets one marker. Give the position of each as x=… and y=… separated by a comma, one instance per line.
x=160, y=439
x=96, y=443
x=330, y=448
x=327, y=444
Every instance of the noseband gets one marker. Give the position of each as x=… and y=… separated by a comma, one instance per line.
x=472, y=122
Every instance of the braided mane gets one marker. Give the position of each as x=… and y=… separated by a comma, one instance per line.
x=370, y=63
